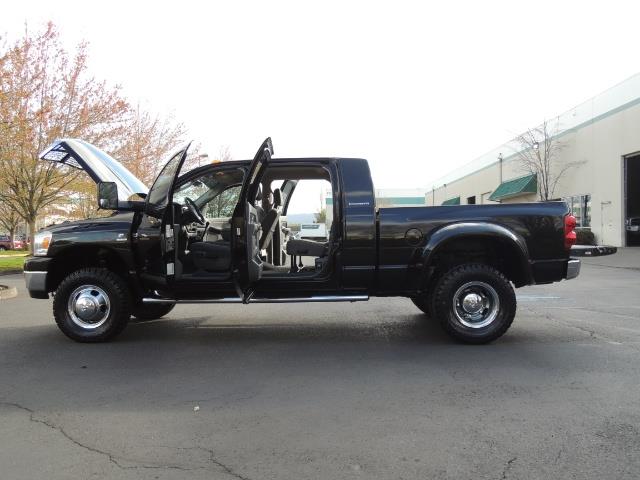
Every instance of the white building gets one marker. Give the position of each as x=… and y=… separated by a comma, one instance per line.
x=601, y=137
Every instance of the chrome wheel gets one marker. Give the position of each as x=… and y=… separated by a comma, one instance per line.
x=476, y=304
x=89, y=306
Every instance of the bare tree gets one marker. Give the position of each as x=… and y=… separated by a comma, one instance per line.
x=45, y=94
x=224, y=154
x=538, y=153
x=146, y=142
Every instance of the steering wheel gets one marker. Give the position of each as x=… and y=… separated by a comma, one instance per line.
x=195, y=211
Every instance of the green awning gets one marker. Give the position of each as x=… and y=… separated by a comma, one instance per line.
x=515, y=187
x=452, y=201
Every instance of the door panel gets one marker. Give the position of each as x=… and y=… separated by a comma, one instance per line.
x=159, y=204
x=246, y=229
x=254, y=231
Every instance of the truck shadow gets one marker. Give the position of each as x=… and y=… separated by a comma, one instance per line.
x=406, y=329
x=182, y=361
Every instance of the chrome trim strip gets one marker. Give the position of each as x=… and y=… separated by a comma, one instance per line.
x=36, y=281
x=327, y=298
x=573, y=268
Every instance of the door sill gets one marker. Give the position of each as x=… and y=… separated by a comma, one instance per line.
x=313, y=299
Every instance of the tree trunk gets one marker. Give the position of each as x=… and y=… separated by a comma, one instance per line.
x=32, y=233
x=12, y=233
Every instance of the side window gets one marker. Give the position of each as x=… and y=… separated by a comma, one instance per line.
x=194, y=189
x=310, y=209
x=215, y=193
x=222, y=205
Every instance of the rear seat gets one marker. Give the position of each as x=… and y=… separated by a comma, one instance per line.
x=307, y=248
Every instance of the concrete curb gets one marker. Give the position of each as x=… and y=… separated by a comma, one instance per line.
x=8, y=292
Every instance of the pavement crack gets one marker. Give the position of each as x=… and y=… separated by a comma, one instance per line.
x=507, y=467
x=213, y=460
x=228, y=470
x=112, y=459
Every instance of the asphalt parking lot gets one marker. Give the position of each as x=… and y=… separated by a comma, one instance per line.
x=367, y=390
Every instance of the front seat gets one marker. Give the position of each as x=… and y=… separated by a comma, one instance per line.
x=271, y=219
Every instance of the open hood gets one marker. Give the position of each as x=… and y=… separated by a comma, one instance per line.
x=100, y=166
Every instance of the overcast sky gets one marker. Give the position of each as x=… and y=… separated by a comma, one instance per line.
x=417, y=88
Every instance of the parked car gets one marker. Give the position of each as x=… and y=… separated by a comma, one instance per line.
x=5, y=243
x=20, y=242
x=632, y=226
x=458, y=264
x=313, y=231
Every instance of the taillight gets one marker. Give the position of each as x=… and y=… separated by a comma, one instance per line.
x=569, y=231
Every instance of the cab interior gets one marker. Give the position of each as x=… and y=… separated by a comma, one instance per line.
x=204, y=243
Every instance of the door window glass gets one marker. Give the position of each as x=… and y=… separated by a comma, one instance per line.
x=159, y=193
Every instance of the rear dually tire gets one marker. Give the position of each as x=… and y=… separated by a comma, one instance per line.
x=474, y=303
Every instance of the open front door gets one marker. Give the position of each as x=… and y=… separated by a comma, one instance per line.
x=159, y=204
x=246, y=225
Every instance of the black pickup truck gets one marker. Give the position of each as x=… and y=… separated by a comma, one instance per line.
x=218, y=234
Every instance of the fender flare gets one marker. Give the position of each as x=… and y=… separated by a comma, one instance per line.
x=454, y=231
x=63, y=252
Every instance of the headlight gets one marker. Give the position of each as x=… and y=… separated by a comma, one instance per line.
x=41, y=241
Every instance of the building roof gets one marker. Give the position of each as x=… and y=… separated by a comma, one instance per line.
x=514, y=187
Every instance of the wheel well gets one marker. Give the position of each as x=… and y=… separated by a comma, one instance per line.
x=501, y=254
x=77, y=257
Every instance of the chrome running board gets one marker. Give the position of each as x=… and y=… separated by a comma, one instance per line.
x=327, y=298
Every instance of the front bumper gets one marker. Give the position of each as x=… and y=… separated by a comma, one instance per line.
x=35, y=276
x=573, y=268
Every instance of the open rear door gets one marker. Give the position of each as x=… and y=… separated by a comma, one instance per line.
x=246, y=225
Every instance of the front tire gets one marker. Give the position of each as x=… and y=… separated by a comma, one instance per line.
x=474, y=303
x=145, y=313
x=92, y=305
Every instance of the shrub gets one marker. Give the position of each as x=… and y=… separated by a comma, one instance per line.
x=585, y=237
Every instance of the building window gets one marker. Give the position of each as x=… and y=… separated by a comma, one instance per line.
x=471, y=200
x=580, y=206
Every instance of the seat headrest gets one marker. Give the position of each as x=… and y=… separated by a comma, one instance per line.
x=277, y=198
